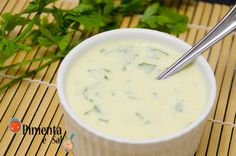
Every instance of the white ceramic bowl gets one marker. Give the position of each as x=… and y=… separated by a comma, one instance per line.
x=89, y=142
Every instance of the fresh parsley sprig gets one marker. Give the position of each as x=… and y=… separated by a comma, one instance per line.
x=101, y=15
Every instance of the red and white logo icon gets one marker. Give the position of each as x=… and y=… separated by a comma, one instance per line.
x=15, y=125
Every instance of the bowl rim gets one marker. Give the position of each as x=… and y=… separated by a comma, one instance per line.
x=66, y=61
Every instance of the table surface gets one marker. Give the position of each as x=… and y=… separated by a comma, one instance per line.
x=35, y=101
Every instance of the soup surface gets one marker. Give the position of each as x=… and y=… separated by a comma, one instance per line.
x=113, y=89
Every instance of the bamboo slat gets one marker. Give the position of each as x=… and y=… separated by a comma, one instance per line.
x=188, y=11
x=230, y=115
x=198, y=12
x=216, y=49
x=36, y=102
x=232, y=149
x=204, y=21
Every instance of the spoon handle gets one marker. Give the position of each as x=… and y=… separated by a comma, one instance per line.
x=223, y=28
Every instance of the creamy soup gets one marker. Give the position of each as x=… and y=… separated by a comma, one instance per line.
x=113, y=89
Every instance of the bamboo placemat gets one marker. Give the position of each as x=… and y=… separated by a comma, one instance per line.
x=34, y=100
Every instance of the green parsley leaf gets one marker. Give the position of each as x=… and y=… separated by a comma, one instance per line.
x=10, y=21
x=163, y=19
x=94, y=20
x=64, y=42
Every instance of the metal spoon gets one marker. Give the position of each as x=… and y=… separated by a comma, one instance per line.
x=223, y=28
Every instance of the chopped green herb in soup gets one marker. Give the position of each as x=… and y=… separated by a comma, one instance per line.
x=113, y=89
